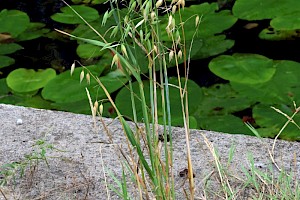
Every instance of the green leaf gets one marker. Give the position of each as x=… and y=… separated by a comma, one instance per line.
x=35, y=102
x=95, y=2
x=27, y=80
x=69, y=17
x=286, y=22
x=221, y=99
x=6, y=61
x=271, y=34
x=209, y=46
x=266, y=117
x=20, y=22
x=80, y=107
x=9, y=48
x=266, y=9
x=283, y=87
x=224, y=123
x=88, y=51
x=34, y=30
x=209, y=20
x=74, y=91
x=243, y=68
x=4, y=89
x=83, y=31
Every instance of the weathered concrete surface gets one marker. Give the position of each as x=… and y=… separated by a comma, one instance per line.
x=77, y=172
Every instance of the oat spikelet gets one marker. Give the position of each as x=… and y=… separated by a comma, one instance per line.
x=124, y=51
x=171, y=55
x=101, y=109
x=180, y=54
x=159, y=3
x=72, y=68
x=95, y=108
x=81, y=76
x=197, y=20
x=88, y=78
x=174, y=8
x=181, y=3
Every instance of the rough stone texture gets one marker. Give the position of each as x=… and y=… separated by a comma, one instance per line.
x=77, y=172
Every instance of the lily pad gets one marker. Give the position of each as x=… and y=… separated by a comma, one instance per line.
x=210, y=46
x=93, y=2
x=34, y=30
x=6, y=61
x=27, y=80
x=243, y=68
x=209, y=23
x=283, y=87
x=69, y=17
x=266, y=9
x=266, y=117
x=221, y=99
x=20, y=22
x=9, y=48
x=272, y=34
x=82, y=30
x=80, y=107
x=286, y=22
x=35, y=102
x=88, y=51
x=4, y=89
x=74, y=91
x=224, y=123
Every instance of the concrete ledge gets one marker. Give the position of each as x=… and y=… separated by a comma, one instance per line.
x=77, y=171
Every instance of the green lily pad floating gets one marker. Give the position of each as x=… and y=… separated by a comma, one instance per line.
x=272, y=34
x=266, y=9
x=286, y=22
x=82, y=30
x=123, y=101
x=93, y=2
x=4, y=89
x=20, y=22
x=221, y=99
x=283, y=87
x=266, y=117
x=11, y=99
x=80, y=107
x=34, y=30
x=88, y=51
x=209, y=23
x=9, y=48
x=28, y=80
x=74, y=91
x=205, y=43
x=243, y=68
x=224, y=123
x=67, y=16
x=209, y=46
x=35, y=102
x=6, y=61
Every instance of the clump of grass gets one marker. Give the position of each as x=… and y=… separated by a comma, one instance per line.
x=272, y=183
x=140, y=31
x=11, y=171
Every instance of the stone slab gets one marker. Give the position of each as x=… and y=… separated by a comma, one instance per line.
x=79, y=170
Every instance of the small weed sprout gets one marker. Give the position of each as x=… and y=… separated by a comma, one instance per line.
x=10, y=171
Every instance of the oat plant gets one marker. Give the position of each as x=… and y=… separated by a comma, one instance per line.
x=140, y=30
